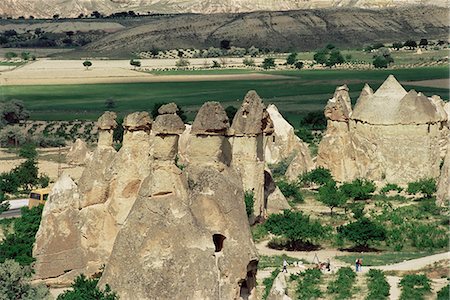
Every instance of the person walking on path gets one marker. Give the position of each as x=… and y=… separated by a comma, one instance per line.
x=357, y=264
x=284, y=266
x=360, y=264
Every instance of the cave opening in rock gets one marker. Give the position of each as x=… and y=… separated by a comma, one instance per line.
x=218, y=241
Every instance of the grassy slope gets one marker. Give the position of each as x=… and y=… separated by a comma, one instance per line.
x=300, y=92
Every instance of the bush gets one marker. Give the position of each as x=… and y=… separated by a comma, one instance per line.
x=414, y=287
x=362, y=232
x=359, y=189
x=308, y=285
x=84, y=288
x=248, y=62
x=427, y=236
x=299, y=65
x=315, y=120
x=290, y=191
x=380, y=62
x=391, y=187
x=342, y=286
x=305, y=134
x=87, y=64
x=28, y=151
x=424, y=186
x=18, y=245
x=231, y=112
x=249, y=202
x=268, y=63
x=291, y=59
x=11, y=136
x=259, y=232
x=15, y=283
x=319, y=176
x=181, y=63
x=444, y=293
x=296, y=227
x=279, y=169
x=377, y=285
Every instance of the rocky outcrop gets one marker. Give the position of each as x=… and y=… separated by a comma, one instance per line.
x=78, y=153
x=279, y=288
x=187, y=236
x=284, y=144
x=274, y=199
x=92, y=211
x=391, y=135
x=250, y=125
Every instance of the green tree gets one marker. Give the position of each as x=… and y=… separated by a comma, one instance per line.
x=296, y=227
x=15, y=283
x=87, y=64
x=182, y=63
x=19, y=244
x=423, y=43
x=415, y=286
x=290, y=191
x=410, y=44
x=332, y=196
x=397, y=45
x=359, y=189
x=444, y=293
x=335, y=58
x=321, y=56
x=362, y=232
x=318, y=176
x=13, y=112
x=10, y=55
x=231, y=111
x=380, y=62
x=85, y=288
x=25, y=55
x=28, y=151
x=268, y=63
x=291, y=59
x=298, y=65
x=4, y=206
x=135, y=63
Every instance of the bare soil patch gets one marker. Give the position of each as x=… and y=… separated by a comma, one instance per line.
x=437, y=83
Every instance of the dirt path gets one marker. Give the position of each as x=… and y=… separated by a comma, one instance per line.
x=413, y=264
x=437, y=83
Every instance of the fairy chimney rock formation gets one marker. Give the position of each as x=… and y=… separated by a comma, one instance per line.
x=106, y=124
x=391, y=135
x=189, y=238
x=285, y=145
x=339, y=107
x=208, y=142
x=167, y=127
x=78, y=153
x=247, y=131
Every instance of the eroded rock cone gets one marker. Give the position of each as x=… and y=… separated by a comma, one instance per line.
x=78, y=153
x=186, y=238
x=92, y=211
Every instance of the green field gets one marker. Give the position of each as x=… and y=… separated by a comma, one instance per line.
x=297, y=93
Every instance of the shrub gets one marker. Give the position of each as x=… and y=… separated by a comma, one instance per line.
x=249, y=202
x=87, y=64
x=414, y=286
x=28, y=151
x=290, y=191
x=268, y=63
x=19, y=244
x=291, y=59
x=315, y=120
x=231, y=112
x=299, y=65
x=444, y=293
x=308, y=285
x=427, y=236
x=305, y=134
x=342, y=286
x=391, y=187
x=181, y=63
x=318, y=176
x=424, y=186
x=15, y=283
x=380, y=62
x=362, y=232
x=296, y=227
x=84, y=288
x=359, y=189
x=259, y=232
x=377, y=285
x=11, y=136
x=279, y=169
x=248, y=62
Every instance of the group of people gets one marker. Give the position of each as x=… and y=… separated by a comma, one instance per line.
x=358, y=264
